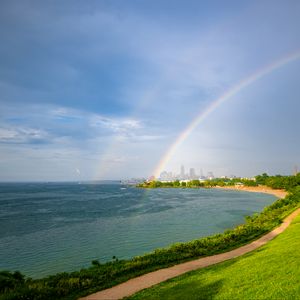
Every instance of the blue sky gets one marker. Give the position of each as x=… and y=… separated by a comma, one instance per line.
x=100, y=89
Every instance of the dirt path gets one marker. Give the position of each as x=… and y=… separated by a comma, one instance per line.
x=137, y=284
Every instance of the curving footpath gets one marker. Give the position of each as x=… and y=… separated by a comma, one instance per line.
x=137, y=284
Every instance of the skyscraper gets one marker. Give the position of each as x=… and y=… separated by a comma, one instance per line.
x=182, y=173
x=192, y=173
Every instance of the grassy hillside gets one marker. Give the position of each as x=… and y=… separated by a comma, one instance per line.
x=271, y=272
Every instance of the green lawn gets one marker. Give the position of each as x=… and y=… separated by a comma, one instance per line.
x=271, y=272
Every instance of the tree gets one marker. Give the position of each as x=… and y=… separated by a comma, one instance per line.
x=176, y=183
x=195, y=183
x=261, y=179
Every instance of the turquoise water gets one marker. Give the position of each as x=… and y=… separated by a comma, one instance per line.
x=50, y=228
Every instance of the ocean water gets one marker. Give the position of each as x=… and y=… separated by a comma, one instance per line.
x=56, y=227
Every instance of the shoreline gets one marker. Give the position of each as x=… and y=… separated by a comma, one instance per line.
x=147, y=280
x=134, y=285
x=256, y=189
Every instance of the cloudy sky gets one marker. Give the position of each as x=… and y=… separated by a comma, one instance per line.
x=101, y=89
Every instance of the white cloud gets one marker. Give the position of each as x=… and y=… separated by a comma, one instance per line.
x=121, y=126
x=64, y=112
x=22, y=135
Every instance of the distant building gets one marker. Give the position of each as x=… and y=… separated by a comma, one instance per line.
x=210, y=175
x=185, y=180
x=201, y=173
x=193, y=174
x=163, y=175
x=182, y=172
x=166, y=176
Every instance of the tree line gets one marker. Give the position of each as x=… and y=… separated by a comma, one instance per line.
x=275, y=182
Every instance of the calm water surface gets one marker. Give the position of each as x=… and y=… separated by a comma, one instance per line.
x=50, y=228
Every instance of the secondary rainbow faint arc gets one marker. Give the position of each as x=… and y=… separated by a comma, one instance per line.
x=216, y=103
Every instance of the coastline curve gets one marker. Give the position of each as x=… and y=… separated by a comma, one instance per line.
x=137, y=284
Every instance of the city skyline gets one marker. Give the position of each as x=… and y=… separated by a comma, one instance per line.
x=183, y=174
x=190, y=174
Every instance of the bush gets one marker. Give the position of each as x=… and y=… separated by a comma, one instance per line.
x=9, y=280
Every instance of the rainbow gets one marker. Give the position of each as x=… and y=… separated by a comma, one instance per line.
x=217, y=102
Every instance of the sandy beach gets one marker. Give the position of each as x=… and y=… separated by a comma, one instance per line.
x=256, y=189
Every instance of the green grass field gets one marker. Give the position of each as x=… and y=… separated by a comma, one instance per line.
x=271, y=272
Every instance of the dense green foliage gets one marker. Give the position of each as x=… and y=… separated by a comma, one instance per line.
x=278, y=181
x=275, y=182
x=271, y=272
x=100, y=276
x=9, y=280
x=195, y=183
